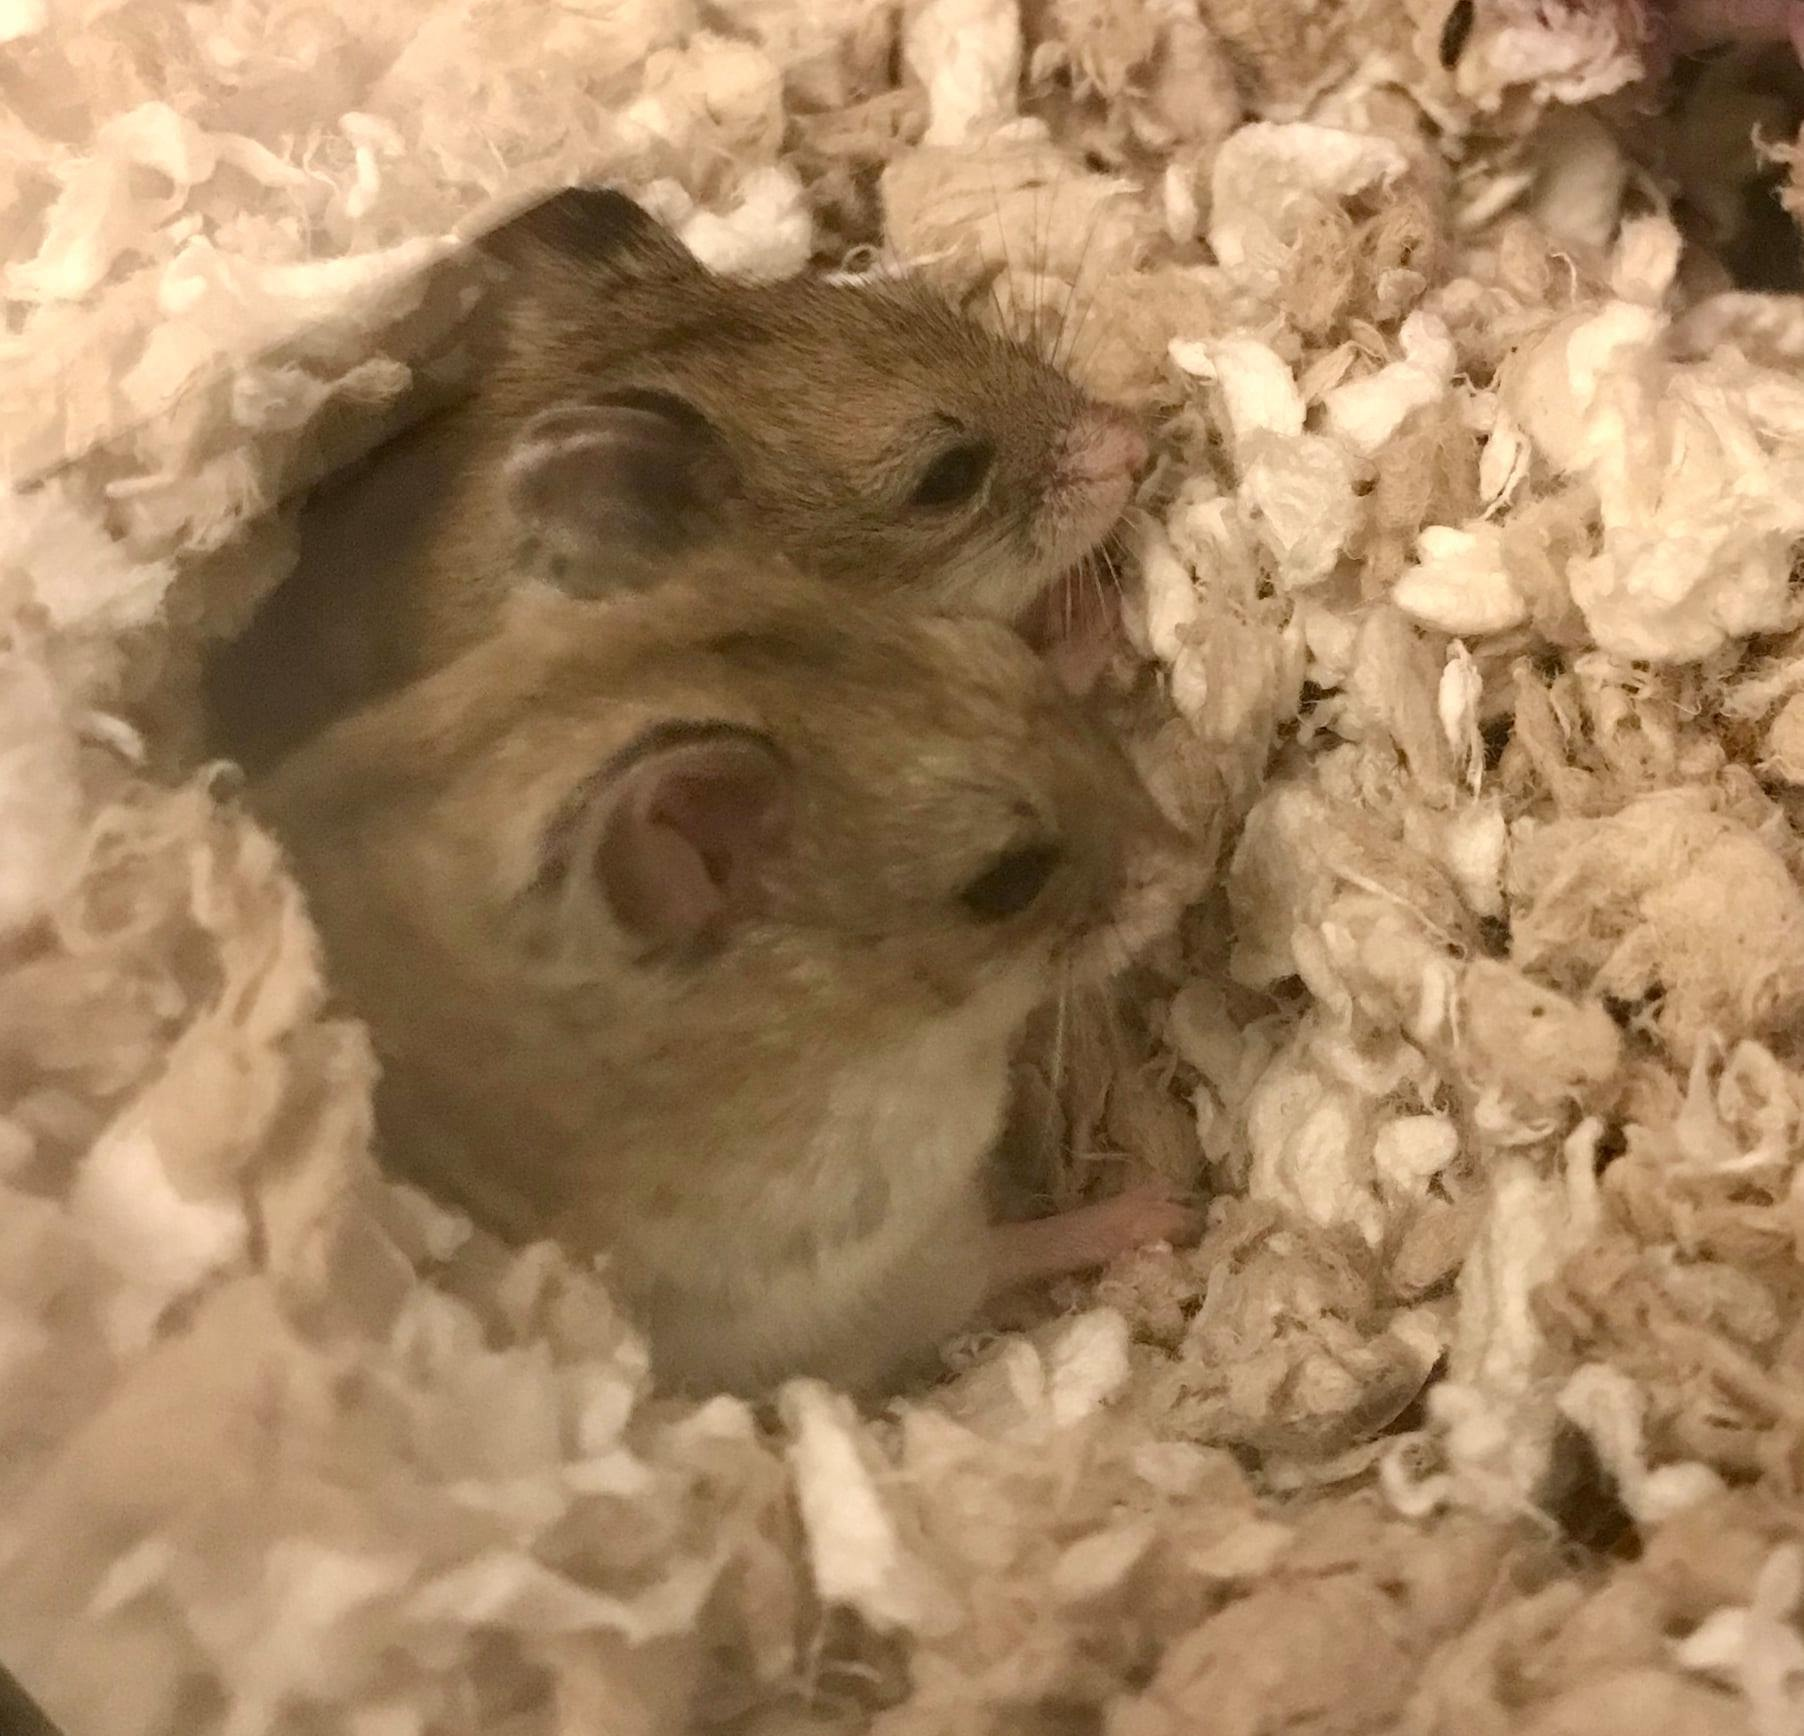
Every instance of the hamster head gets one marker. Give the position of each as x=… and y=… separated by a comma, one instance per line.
x=868, y=430
x=816, y=826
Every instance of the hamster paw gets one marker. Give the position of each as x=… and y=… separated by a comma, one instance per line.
x=1150, y=1213
x=1089, y=1236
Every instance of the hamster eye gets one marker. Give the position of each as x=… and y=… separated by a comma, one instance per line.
x=954, y=476
x=1011, y=883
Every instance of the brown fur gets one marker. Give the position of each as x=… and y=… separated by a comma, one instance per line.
x=828, y=399
x=777, y=1140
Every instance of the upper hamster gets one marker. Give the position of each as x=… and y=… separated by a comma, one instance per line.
x=637, y=408
x=701, y=937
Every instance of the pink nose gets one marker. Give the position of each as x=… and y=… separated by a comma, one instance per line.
x=1104, y=447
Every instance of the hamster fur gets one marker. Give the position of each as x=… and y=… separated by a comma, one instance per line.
x=699, y=938
x=638, y=409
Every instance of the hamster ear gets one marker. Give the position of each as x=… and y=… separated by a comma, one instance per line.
x=612, y=492
x=595, y=228
x=695, y=820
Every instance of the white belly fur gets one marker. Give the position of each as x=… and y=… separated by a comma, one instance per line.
x=887, y=1189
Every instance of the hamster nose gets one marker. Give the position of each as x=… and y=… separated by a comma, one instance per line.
x=1105, y=447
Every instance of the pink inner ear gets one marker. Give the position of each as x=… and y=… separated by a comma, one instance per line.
x=695, y=826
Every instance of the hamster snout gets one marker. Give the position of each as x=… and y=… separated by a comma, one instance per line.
x=1103, y=457
x=1074, y=619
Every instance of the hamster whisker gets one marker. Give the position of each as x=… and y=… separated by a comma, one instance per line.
x=1091, y=572
x=1060, y=183
x=1136, y=523
x=1109, y=591
x=1048, y=343
x=1079, y=305
x=1084, y=575
x=1074, y=300
x=1002, y=318
x=1071, y=988
x=1057, y=1061
x=1083, y=300
x=1010, y=318
x=1037, y=262
x=1075, y=355
x=1108, y=565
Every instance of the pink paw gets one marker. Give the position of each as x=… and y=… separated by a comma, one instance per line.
x=1090, y=1236
x=1147, y=1214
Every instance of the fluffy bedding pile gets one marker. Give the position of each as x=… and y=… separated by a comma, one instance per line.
x=1470, y=605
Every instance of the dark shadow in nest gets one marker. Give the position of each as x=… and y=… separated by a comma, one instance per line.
x=1758, y=242
x=1584, y=1500
x=1766, y=254
x=20, y=1715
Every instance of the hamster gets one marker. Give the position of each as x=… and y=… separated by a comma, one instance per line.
x=699, y=938
x=636, y=410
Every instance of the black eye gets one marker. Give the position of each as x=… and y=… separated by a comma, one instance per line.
x=955, y=475
x=1011, y=883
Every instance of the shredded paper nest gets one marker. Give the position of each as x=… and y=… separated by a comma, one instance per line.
x=1470, y=610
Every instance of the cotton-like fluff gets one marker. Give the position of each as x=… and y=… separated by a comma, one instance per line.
x=1475, y=1409
x=1695, y=466
x=1669, y=902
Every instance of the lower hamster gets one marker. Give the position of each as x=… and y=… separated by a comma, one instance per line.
x=636, y=409
x=700, y=938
